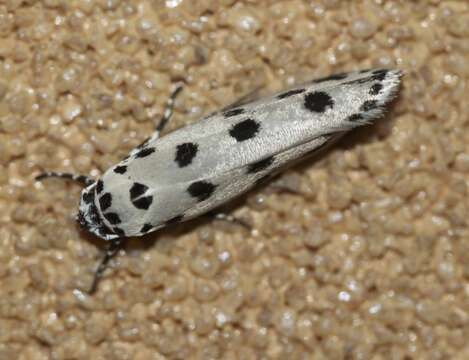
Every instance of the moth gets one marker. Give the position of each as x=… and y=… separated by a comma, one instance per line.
x=199, y=167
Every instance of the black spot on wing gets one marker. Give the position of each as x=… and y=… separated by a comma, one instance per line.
x=88, y=197
x=105, y=201
x=290, y=93
x=146, y=228
x=355, y=117
x=201, y=190
x=379, y=75
x=233, y=112
x=318, y=101
x=340, y=76
x=376, y=88
x=113, y=218
x=260, y=165
x=143, y=202
x=118, y=231
x=369, y=105
x=145, y=152
x=245, y=130
x=99, y=186
x=137, y=190
x=174, y=220
x=185, y=153
x=122, y=169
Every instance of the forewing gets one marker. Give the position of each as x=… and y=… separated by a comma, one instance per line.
x=200, y=166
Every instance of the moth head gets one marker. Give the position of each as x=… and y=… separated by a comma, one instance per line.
x=90, y=218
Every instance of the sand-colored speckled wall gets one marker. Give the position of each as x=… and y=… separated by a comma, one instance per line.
x=370, y=262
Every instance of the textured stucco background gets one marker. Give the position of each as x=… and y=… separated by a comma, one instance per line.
x=371, y=261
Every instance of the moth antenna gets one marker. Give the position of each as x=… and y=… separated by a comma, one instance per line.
x=85, y=180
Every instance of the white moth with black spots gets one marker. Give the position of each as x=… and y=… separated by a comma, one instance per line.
x=196, y=168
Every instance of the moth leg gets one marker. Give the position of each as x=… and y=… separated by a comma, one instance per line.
x=85, y=180
x=113, y=248
x=283, y=189
x=168, y=110
x=229, y=218
x=273, y=184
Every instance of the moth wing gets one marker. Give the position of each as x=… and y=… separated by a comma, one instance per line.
x=196, y=168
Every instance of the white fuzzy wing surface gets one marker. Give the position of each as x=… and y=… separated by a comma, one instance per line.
x=198, y=167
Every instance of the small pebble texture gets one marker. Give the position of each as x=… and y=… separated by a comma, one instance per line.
x=370, y=261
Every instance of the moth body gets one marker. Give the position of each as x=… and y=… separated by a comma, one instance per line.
x=195, y=169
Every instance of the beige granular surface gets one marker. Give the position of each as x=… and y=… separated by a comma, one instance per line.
x=371, y=261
